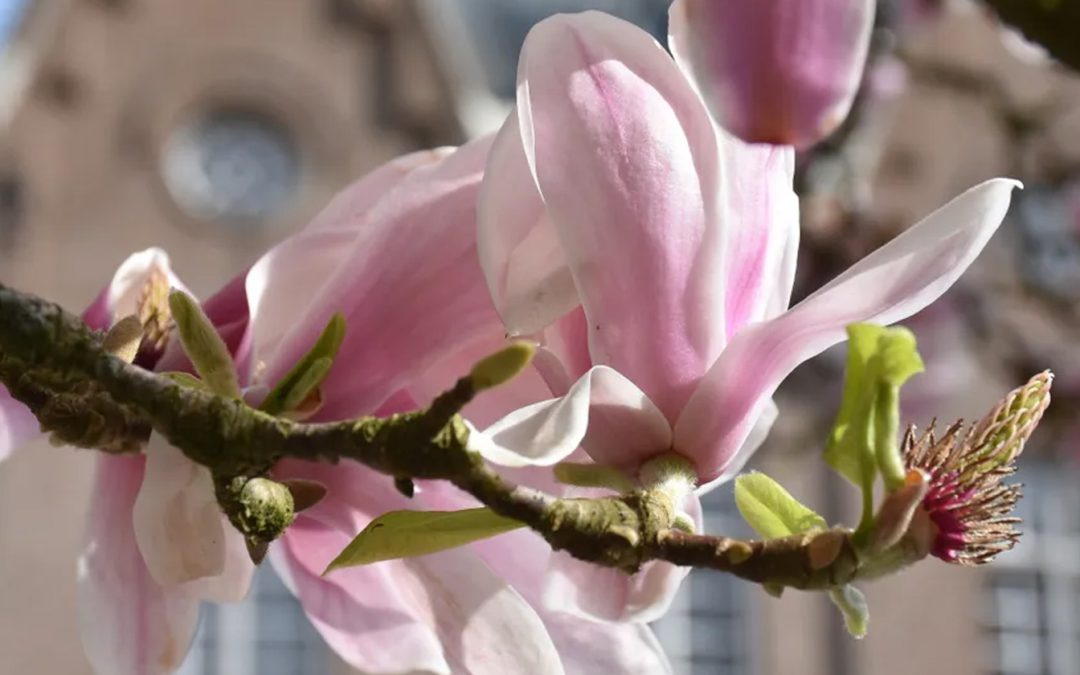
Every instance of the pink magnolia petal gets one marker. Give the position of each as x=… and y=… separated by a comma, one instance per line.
x=129, y=625
x=519, y=249
x=605, y=594
x=611, y=648
x=450, y=598
x=757, y=198
x=18, y=425
x=604, y=412
x=890, y=284
x=357, y=611
x=775, y=71
x=121, y=298
x=521, y=558
x=411, y=289
x=624, y=155
x=563, y=355
x=178, y=523
x=347, y=210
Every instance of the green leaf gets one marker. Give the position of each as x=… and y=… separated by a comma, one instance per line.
x=849, y=449
x=770, y=509
x=852, y=604
x=203, y=345
x=402, y=534
x=865, y=436
x=309, y=372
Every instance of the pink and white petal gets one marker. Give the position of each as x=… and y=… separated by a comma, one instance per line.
x=358, y=611
x=281, y=285
x=775, y=71
x=519, y=249
x=450, y=598
x=588, y=646
x=758, y=433
x=411, y=289
x=18, y=426
x=234, y=582
x=178, y=523
x=346, y=210
x=121, y=298
x=625, y=158
x=601, y=593
x=603, y=412
x=563, y=354
x=890, y=284
x=757, y=199
x=756, y=196
x=129, y=624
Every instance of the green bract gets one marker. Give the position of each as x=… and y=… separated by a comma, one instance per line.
x=203, y=345
x=308, y=373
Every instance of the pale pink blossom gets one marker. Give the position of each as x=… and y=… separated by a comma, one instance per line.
x=775, y=71
x=652, y=256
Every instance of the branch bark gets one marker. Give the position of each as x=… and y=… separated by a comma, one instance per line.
x=48, y=355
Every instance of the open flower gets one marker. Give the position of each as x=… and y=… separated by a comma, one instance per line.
x=652, y=257
x=775, y=71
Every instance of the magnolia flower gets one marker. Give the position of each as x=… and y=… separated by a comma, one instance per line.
x=776, y=71
x=651, y=255
x=129, y=620
x=395, y=254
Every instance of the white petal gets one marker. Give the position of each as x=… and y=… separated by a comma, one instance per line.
x=178, y=524
x=890, y=284
x=605, y=412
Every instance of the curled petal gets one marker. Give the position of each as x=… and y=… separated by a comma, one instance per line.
x=604, y=412
x=775, y=71
x=178, y=523
x=128, y=285
x=129, y=624
x=625, y=158
x=890, y=284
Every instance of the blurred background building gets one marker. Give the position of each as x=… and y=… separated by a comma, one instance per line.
x=214, y=129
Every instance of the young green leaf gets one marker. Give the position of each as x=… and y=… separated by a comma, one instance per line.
x=771, y=510
x=203, y=345
x=309, y=372
x=852, y=604
x=403, y=534
x=850, y=450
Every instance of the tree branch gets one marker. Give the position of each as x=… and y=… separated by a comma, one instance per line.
x=48, y=356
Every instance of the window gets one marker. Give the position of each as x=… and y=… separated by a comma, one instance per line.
x=233, y=164
x=266, y=634
x=709, y=629
x=1032, y=604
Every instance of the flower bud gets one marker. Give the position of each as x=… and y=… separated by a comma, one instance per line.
x=775, y=71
